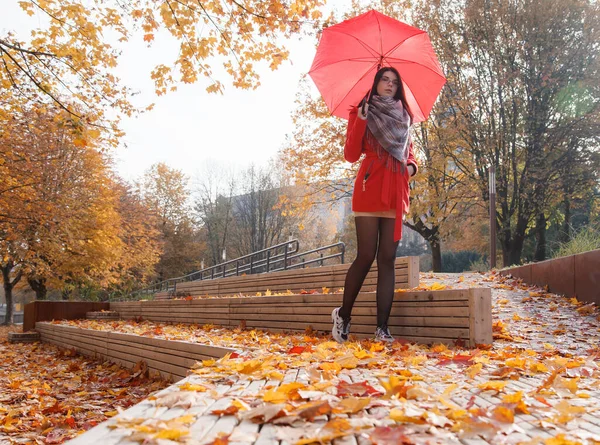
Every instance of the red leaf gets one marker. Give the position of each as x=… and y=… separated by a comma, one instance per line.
x=71, y=422
x=384, y=435
x=304, y=291
x=230, y=411
x=234, y=355
x=361, y=389
x=54, y=409
x=459, y=343
x=470, y=403
x=458, y=359
x=297, y=350
x=55, y=436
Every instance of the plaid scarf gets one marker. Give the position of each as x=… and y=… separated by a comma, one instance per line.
x=389, y=122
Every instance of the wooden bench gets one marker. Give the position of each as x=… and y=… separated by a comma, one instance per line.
x=445, y=316
x=295, y=280
x=171, y=358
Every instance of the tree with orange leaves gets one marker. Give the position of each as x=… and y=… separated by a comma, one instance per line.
x=70, y=56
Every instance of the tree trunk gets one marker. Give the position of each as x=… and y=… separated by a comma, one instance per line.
x=436, y=255
x=38, y=285
x=565, y=235
x=512, y=242
x=8, y=287
x=540, y=235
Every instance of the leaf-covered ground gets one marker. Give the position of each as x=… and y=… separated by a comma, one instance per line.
x=49, y=395
x=539, y=383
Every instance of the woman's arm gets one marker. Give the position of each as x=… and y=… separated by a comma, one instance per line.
x=354, y=136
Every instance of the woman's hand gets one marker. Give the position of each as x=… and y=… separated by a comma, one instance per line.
x=411, y=170
x=360, y=112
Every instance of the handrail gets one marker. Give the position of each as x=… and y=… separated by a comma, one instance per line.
x=169, y=285
x=277, y=262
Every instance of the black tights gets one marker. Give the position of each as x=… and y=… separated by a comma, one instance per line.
x=374, y=236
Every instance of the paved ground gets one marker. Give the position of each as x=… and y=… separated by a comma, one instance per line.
x=537, y=384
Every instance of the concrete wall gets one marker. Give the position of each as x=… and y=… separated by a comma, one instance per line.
x=575, y=275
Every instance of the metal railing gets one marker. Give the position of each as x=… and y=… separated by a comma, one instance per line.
x=247, y=264
x=262, y=261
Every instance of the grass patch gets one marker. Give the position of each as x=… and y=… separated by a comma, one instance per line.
x=586, y=239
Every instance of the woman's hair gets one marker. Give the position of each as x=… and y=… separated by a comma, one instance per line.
x=399, y=92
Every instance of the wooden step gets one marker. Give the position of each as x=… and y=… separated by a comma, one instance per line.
x=102, y=315
x=445, y=316
x=23, y=337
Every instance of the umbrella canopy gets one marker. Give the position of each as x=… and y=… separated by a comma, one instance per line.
x=350, y=53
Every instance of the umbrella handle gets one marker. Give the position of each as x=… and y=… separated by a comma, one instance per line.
x=366, y=99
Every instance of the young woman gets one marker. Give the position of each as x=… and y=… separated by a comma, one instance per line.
x=381, y=130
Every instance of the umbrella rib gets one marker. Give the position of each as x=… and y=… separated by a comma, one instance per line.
x=400, y=43
x=380, y=62
x=367, y=47
x=349, y=91
x=416, y=63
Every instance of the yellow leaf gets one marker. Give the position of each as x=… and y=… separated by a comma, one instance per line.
x=249, y=367
x=347, y=361
x=513, y=398
x=171, y=434
x=475, y=369
x=492, y=386
x=333, y=367
x=400, y=415
x=560, y=440
x=187, y=386
x=437, y=286
x=503, y=414
x=352, y=405
x=362, y=354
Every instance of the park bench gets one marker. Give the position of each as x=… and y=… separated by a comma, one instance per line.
x=294, y=280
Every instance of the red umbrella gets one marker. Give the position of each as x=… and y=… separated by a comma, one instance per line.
x=351, y=52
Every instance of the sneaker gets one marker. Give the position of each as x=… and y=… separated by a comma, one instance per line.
x=383, y=334
x=341, y=327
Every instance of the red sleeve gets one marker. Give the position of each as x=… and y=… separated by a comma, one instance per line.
x=411, y=158
x=354, y=136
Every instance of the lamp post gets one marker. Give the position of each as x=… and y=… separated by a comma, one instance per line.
x=492, y=189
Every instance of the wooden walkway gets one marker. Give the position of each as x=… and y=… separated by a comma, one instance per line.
x=195, y=422
x=539, y=384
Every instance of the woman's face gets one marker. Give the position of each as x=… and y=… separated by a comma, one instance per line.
x=388, y=84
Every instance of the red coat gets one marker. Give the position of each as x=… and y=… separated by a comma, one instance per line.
x=381, y=184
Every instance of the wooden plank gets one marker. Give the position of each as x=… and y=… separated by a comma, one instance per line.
x=168, y=371
x=326, y=276
x=417, y=331
x=480, y=310
x=400, y=310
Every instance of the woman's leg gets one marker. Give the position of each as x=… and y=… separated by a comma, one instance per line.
x=386, y=277
x=367, y=234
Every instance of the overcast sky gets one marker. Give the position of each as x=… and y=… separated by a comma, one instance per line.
x=190, y=127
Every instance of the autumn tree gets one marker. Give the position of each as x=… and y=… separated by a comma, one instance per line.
x=213, y=203
x=259, y=220
x=165, y=192
x=140, y=237
x=77, y=44
x=57, y=218
x=517, y=72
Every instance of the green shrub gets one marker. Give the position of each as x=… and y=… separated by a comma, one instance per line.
x=459, y=261
x=481, y=265
x=586, y=239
